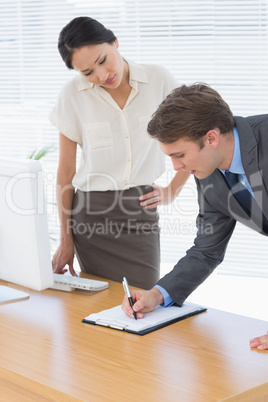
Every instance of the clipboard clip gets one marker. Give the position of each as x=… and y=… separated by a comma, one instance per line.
x=114, y=324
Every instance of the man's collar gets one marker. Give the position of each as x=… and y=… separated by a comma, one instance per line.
x=136, y=74
x=236, y=164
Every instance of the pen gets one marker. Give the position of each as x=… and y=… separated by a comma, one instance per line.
x=127, y=291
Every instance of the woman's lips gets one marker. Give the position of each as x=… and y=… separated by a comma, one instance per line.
x=110, y=81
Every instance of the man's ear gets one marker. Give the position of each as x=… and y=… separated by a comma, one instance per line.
x=213, y=138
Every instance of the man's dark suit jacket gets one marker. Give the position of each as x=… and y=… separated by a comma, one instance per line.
x=219, y=211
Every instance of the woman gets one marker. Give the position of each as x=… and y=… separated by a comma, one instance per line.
x=107, y=208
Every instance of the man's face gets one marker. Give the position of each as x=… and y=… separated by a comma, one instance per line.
x=190, y=157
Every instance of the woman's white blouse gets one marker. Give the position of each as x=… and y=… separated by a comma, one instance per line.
x=117, y=152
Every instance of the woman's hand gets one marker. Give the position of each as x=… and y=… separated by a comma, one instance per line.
x=261, y=342
x=63, y=256
x=159, y=196
x=164, y=195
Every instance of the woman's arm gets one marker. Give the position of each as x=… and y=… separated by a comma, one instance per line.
x=65, y=192
x=164, y=195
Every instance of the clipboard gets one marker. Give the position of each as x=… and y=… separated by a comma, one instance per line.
x=160, y=317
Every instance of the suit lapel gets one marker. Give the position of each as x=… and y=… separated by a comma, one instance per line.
x=216, y=190
x=249, y=155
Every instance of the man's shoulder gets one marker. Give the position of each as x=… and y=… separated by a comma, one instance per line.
x=253, y=120
x=258, y=117
x=251, y=129
x=258, y=121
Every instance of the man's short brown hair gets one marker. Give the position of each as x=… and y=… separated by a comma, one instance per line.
x=189, y=112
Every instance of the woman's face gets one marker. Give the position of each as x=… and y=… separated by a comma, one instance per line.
x=100, y=64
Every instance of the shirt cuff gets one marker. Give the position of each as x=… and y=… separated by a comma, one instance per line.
x=167, y=299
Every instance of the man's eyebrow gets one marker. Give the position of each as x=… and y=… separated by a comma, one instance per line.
x=176, y=153
x=87, y=69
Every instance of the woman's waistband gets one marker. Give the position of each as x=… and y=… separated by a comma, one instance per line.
x=118, y=202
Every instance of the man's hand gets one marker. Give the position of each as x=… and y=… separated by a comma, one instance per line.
x=144, y=301
x=261, y=342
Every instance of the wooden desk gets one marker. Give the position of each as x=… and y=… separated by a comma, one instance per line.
x=204, y=358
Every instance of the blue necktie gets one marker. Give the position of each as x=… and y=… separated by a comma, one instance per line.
x=240, y=192
x=244, y=197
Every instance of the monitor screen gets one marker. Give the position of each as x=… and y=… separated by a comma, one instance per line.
x=24, y=239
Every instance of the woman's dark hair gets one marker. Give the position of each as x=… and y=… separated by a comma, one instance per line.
x=82, y=31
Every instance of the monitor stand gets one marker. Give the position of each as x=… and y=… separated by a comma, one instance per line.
x=9, y=295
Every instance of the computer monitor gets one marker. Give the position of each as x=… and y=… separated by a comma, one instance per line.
x=24, y=239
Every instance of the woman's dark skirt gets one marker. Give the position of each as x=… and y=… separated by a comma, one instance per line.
x=114, y=236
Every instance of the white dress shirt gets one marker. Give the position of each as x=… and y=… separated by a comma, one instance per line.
x=117, y=152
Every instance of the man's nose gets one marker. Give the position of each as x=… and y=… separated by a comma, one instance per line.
x=177, y=164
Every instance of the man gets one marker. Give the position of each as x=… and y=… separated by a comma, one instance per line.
x=229, y=158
